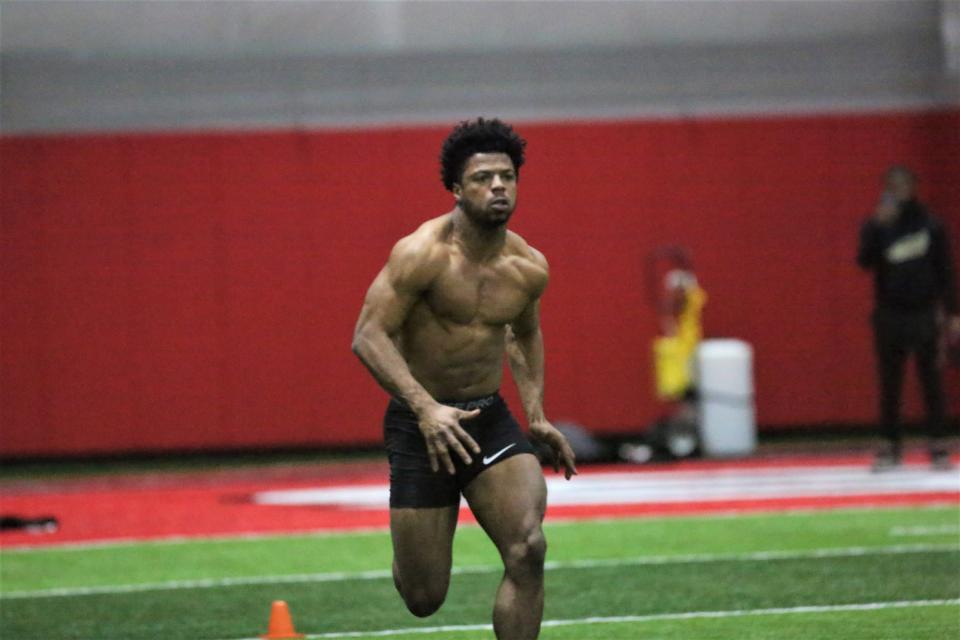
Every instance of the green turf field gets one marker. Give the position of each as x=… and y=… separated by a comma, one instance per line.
x=850, y=574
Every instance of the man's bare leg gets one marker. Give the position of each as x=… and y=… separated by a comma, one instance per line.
x=509, y=501
x=422, y=555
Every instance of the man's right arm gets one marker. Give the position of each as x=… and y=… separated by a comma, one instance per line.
x=406, y=276
x=871, y=247
x=389, y=299
x=943, y=263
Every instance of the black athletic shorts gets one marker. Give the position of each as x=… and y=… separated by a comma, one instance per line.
x=414, y=484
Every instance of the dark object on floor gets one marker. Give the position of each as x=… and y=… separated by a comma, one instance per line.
x=677, y=436
x=940, y=460
x=43, y=524
x=886, y=461
x=585, y=445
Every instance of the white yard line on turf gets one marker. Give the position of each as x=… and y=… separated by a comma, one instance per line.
x=31, y=547
x=688, y=615
x=944, y=529
x=552, y=521
x=343, y=576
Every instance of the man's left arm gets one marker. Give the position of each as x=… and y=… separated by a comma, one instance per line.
x=948, y=280
x=524, y=345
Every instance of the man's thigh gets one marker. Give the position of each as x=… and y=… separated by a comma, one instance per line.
x=509, y=499
x=423, y=543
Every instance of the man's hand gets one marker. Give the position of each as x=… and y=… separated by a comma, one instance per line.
x=562, y=451
x=440, y=426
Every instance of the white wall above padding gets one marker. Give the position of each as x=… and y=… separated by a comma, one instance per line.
x=95, y=66
x=231, y=29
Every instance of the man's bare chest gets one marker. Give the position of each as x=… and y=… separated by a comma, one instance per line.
x=466, y=293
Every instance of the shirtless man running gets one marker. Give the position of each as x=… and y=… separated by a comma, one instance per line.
x=454, y=296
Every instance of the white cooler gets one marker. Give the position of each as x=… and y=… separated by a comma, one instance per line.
x=725, y=381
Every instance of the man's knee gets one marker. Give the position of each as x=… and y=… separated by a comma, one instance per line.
x=421, y=598
x=526, y=556
x=423, y=601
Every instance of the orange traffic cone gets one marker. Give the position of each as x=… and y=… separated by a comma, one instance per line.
x=281, y=625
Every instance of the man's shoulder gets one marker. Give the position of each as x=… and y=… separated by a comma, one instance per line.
x=520, y=248
x=924, y=213
x=419, y=255
x=530, y=262
x=424, y=243
x=933, y=221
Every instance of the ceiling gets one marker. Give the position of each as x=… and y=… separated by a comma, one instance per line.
x=151, y=65
x=216, y=30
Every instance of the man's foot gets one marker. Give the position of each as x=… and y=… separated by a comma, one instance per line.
x=886, y=461
x=940, y=460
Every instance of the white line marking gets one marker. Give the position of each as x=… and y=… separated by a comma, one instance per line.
x=43, y=547
x=382, y=574
x=829, y=608
x=671, y=487
x=30, y=547
x=687, y=615
x=944, y=529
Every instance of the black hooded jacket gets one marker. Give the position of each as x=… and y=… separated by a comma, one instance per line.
x=910, y=258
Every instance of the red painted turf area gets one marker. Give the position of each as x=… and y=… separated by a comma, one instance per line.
x=145, y=507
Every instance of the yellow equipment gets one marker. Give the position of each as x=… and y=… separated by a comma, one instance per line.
x=673, y=354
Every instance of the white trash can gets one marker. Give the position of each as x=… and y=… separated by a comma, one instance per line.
x=725, y=383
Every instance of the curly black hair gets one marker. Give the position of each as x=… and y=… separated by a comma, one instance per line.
x=478, y=136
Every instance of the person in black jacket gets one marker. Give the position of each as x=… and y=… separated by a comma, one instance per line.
x=908, y=250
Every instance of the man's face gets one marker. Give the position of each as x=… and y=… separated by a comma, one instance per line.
x=487, y=191
x=900, y=185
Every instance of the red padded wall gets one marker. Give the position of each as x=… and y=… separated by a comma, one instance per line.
x=199, y=290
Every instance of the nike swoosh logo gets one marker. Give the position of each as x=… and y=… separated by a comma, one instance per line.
x=489, y=459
